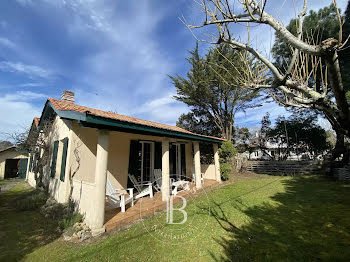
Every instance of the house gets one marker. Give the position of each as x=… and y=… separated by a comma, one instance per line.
x=87, y=145
x=274, y=149
x=13, y=163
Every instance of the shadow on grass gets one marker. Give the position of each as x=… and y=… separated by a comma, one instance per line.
x=311, y=222
x=22, y=231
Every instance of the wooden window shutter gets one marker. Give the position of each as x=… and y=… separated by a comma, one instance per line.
x=54, y=159
x=158, y=155
x=64, y=159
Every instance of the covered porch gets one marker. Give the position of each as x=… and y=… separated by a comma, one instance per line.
x=118, y=152
x=145, y=207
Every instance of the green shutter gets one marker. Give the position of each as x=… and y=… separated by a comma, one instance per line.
x=64, y=158
x=54, y=159
x=158, y=155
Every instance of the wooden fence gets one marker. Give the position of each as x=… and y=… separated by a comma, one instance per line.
x=343, y=174
x=283, y=167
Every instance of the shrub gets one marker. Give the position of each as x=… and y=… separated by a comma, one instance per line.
x=225, y=170
x=69, y=220
x=64, y=214
x=31, y=201
x=226, y=152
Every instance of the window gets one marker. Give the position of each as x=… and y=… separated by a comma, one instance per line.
x=64, y=159
x=54, y=159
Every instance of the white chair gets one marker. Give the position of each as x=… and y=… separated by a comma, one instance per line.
x=179, y=184
x=142, y=189
x=194, y=176
x=157, y=179
x=117, y=198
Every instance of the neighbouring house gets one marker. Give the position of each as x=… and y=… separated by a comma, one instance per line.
x=13, y=163
x=274, y=149
x=88, y=145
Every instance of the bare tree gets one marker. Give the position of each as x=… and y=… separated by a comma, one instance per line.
x=35, y=140
x=295, y=86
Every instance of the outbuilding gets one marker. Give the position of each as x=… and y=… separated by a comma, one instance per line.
x=13, y=163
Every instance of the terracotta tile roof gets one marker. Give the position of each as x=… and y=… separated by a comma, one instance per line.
x=36, y=121
x=8, y=148
x=68, y=106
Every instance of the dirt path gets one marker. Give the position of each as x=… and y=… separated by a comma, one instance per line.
x=8, y=186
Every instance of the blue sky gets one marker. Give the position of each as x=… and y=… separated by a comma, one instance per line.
x=115, y=55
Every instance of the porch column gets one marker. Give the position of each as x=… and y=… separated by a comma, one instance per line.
x=217, y=163
x=197, y=165
x=100, y=181
x=165, y=170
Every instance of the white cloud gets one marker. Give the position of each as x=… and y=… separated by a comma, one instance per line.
x=7, y=43
x=31, y=84
x=23, y=96
x=16, y=115
x=164, y=109
x=32, y=71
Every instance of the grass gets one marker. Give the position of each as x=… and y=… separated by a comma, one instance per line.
x=4, y=182
x=21, y=231
x=260, y=219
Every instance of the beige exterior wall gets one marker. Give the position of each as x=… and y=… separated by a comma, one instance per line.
x=208, y=171
x=61, y=129
x=83, y=143
x=10, y=154
x=118, y=155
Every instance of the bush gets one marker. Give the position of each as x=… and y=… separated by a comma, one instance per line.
x=64, y=214
x=31, y=201
x=226, y=152
x=69, y=220
x=225, y=170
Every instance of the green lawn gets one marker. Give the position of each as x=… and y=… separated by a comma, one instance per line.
x=266, y=218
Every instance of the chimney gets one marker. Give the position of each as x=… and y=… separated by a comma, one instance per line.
x=67, y=96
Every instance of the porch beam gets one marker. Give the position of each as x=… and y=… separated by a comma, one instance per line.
x=165, y=170
x=216, y=162
x=197, y=165
x=100, y=181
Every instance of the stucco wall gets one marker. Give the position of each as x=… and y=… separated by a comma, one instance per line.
x=61, y=129
x=208, y=171
x=10, y=154
x=118, y=155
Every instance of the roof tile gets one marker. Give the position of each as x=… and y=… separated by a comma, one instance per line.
x=68, y=106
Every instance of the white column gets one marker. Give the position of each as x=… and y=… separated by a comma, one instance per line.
x=217, y=163
x=165, y=170
x=197, y=165
x=100, y=181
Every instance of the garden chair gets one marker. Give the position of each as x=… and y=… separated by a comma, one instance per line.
x=157, y=179
x=194, y=176
x=117, y=198
x=179, y=184
x=142, y=189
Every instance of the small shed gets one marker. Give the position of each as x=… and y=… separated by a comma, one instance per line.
x=13, y=163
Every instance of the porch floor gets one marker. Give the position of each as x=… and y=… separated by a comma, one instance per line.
x=144, y=207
